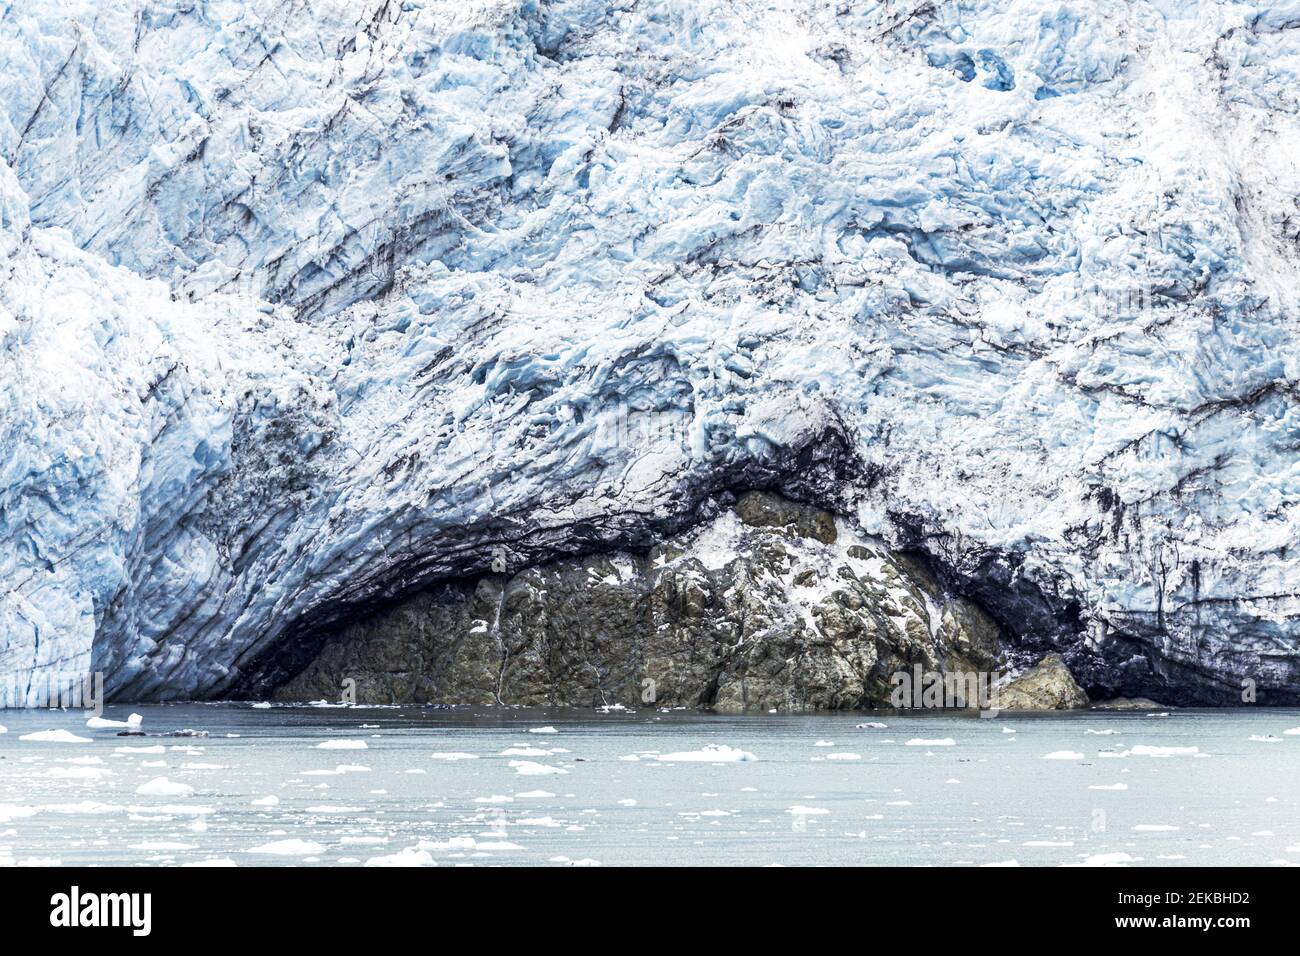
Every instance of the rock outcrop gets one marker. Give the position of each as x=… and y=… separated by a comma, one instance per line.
x=1048, y=685
x=770, y=605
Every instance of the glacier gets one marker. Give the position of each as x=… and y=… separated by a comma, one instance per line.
x=306, y=307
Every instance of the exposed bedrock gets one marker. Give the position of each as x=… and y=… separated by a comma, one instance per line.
x=307, y=309
x=767, y=605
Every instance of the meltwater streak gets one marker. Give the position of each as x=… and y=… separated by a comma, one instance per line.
x=476, y=786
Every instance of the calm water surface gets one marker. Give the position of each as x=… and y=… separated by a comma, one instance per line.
x=477, y=786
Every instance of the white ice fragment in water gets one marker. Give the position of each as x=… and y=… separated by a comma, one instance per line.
x=534, y=795
x=842, y=755
x=55, y=737
x=159, y=845
x=710, y=753
x=341, y=745
x=1063, y=755
x=289, y=848
x=1108, y=786
x=410, y=856
x=1108, y=859
x=802, y=811
x=261, y=705
x=629, y=802
x=1154, y=828
x=525, y=752
x=824, y=743
x=77, y=773
x=155, y=749
x=99, y=723
x=1265, y=739
x=162, y=787
x=1008, y=730
x=174, y=810
x=1145, y=750
x=530, y=768
x=495, y=798
x=923, y=742
x=542, y=730
x=1101, y=733
x=270, y=800
x=1293, y=732
x=453, y=756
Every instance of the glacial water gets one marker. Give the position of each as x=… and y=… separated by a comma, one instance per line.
x=482, y=786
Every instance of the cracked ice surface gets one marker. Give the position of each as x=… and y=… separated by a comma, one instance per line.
x=302, y=306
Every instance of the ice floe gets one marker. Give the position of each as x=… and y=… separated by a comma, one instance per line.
x=709, y=753
x=55, y=737
x=289, y=848
x=530, y=768
x=162, y=787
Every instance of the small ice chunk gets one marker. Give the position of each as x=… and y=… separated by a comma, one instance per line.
x=530, y=768
x=923, y=742
x=710, y=753
x=410, y=856
x=341, y=745
x=1144, y=750
x=289, y=848
x=55, y=737
x=162, y=787
x=1109, y=859
x=100, y=723
x=1063, y=755
x=542, y=730
x=270, y=800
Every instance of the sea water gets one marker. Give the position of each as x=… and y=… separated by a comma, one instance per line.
x=351, y=786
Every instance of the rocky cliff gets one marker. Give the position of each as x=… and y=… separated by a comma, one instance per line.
x=770, y=605
x=309, y=308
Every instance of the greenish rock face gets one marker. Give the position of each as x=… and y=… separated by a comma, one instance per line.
x=772, y=605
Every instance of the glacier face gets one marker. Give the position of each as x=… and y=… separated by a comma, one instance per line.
x=305, y=306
